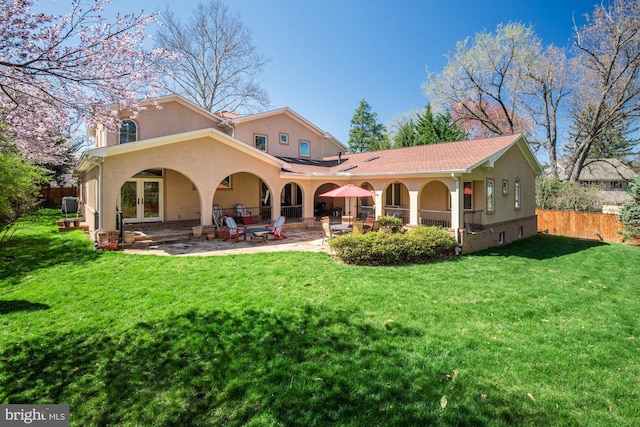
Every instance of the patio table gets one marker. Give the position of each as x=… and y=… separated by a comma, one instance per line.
x=258, y=233
x=341, y=228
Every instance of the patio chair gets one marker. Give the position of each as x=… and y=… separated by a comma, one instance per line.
x=243, y=214
x=376, y=226
x=368, y=224
x=277, y=229
x=327, y=234
x=218, y=217
x=358, y=226
x=235, y=231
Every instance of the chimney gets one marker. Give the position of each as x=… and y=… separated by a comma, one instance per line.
x=339, y=157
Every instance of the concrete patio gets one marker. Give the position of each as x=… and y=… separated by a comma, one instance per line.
x=175, y=240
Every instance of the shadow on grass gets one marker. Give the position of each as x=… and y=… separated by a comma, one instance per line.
x=542, y=246
x=23, y=254
x=318, y=367
x=10, y=306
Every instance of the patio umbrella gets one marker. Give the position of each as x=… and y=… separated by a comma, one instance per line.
x=349, y=191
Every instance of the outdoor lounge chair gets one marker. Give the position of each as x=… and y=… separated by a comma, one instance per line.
x=358, y=226
x=235, y=231
x=218, y=217
x=277, y=229
x=368, y=224
x=243, y=214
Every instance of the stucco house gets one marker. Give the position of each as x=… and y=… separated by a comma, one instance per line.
x=174, y=161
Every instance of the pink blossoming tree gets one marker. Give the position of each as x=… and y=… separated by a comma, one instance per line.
x=56, y=70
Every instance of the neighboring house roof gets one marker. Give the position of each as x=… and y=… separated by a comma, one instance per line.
x=449, y=157
x=288, y=111
x=606, y=170
x=227, y=114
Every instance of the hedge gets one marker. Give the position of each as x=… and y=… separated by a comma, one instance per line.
x=419, y=245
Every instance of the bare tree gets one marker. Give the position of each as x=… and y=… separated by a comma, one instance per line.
x=217, y=65
x=607, y=63
x=549, y=83
x=482, y=82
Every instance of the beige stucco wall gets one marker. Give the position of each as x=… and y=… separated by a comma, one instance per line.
x=271, y=126
x=181, y=199
x=435, y=196
x=509, y=166
x=193, y=170
x=172, y=118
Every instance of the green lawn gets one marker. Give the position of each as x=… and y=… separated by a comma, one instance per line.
x=542, y=332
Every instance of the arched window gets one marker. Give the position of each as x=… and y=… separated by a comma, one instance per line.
x=128, y=132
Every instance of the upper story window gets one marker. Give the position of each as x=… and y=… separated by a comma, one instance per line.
x=284, y=138
x=260, y=142
x=491, y=195
x=516, y=191
x=128, y=132
x=304, y=149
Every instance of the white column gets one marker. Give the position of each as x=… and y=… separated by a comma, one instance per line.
x=379, y=201
x=413, y=207
x=456, y=207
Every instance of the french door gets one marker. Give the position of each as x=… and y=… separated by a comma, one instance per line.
x=141, y=200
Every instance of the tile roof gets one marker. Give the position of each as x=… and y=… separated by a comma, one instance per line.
x=446, y=157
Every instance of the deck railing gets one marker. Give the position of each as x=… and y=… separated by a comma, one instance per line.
x=435, y=218
x=398, y=212
x=292, y=213
x=473, y=220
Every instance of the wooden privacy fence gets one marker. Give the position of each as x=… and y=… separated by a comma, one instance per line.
x=52, y=196
x=583, y=225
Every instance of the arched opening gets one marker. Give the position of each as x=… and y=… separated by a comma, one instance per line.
x=243, y=196
x=325, y=206
x=435, y=205
x=396, y=201
x=366, y=205
x=291, y=202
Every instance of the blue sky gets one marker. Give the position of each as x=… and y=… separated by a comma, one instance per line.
x=327, y=55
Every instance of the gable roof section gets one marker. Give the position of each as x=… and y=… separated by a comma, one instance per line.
x=184, y=102
x=449, y=157
x=295, y=116
x=95, y=155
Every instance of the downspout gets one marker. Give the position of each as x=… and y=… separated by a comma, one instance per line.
x=100, y=184
x=455, y=210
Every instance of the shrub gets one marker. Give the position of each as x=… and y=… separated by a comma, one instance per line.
x=391, y=221
x=551, y=193
x=630, y=212
x=420, y=245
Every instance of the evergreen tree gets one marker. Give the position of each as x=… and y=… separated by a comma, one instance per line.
x=366, y=134
x=407, y=135
x=433, y=130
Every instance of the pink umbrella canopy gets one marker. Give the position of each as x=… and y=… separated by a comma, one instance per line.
x=349, y=190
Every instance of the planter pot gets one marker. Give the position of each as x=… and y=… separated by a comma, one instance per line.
x=197, y=231
x=222, y=234
x=129, y=237
x=211, y=236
